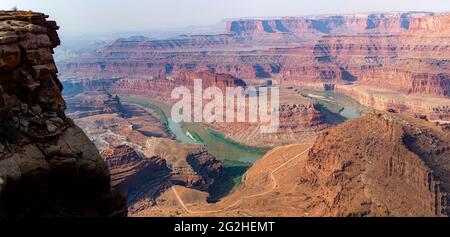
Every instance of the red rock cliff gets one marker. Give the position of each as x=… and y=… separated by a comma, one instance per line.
x=386, y=23
x=381, y=165
x=48, y=166
x=134, y=174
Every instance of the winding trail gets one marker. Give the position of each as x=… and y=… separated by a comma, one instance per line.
x=274, y=185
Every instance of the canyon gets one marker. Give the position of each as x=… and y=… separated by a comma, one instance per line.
x=403, y=53
x=364, y=120
x=392, y=62
x=143, y=157
x=299, y=117
x=397, y=167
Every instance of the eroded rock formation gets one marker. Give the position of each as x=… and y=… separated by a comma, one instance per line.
x=380, y=165
x=91, y=103
x=298, y=123
x=386, y=23
x=142, y=158
x=134, y=174
x=48, y=166
x=162, y=87
x=191, y=166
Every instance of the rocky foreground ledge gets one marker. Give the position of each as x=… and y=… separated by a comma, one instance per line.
x=48, y=166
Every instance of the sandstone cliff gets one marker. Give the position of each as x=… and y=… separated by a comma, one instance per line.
x=363, y=23
x=436, y=24
x=48, y=166
x=380, y=165
x=162, y=86
x=433, y=108
x=91, y=103
x=191, y=166
x=141, y=177
x=299, y=123
x=134, y=174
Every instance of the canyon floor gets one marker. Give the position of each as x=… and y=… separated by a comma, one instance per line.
x=268, y=189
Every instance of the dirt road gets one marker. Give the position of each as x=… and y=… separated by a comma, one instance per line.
x=274, y=185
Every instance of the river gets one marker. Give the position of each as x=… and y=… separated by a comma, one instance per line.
x=336, y=107
x=217, y=145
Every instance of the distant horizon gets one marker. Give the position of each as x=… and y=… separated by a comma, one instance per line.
x=332, y=14
x=105, y=17
x=186, y=28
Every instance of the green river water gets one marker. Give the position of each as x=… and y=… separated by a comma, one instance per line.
x=220, y=147
x=336, y=107
x=238, y=158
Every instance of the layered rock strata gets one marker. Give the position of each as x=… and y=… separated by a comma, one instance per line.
x=48, y=166
x=92, y=103
x=381, y=23
x=405, y=53
x=134, y=174
x=397, y=167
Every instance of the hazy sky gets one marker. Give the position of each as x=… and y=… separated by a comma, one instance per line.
x=100, y=16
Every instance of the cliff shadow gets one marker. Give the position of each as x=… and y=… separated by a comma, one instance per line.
x=347, y=76
x=221, y=177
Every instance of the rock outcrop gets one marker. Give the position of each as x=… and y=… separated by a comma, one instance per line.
x=381, y=165
x=161, y=87
x=212, y=173
x=434, y=108
x=298, y=123
x=136, y=175
x=91, y=103
x=158, y=87
x=191, y=166
x=404, y=63
x=384, y=23
x=437, y=24
x=48, y=166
